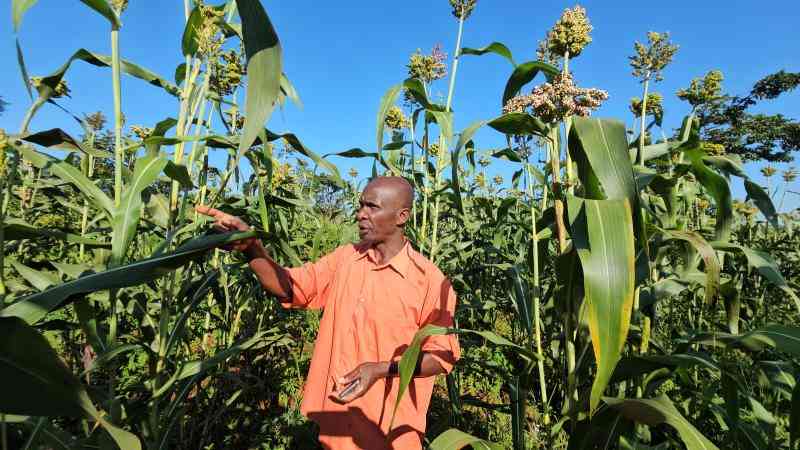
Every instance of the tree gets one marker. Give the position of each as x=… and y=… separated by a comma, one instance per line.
x=726, y=120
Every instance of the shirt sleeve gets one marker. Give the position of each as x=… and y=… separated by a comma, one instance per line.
x=312, y=282
x=439, y=309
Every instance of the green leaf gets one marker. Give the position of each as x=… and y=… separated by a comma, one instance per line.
x=656, y=411
x=632, y=367
x=16, y=229
x=56, y=137
x=189, y=43
x=507, y=154
x=43, y=386
x=408, y=361
x=765, y=265
x=602, y=233
x=264, y=69
x=179, y=173
x=18, y=9
x=39, y=279
x=521, y=124
x=498, y=48
x=70, y=174
x=605, y=146
x=49, y=83
x=299, y=147
x=26, y=80
x=104, y=9
x=415, y=87
x=662, y=148
x=463, y=138
x=762, y=200
x=454, y=439
x=198, y=293
x=387, y=101
x=523, y=74
x=180, y=74
x=782, y=338
x=660, y=290
x=522, y=300
x=353, y=153
x=706, y=251
x=34, y=307
x=761, y=413
x=445, y=121
x=714, y=183
x=126, y=216
x=288, y=91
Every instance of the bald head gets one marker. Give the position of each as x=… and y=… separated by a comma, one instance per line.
x=398, y=190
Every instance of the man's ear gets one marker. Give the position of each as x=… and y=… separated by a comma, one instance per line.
x=402, y=216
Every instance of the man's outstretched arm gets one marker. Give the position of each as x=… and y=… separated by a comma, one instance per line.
x=273, y=277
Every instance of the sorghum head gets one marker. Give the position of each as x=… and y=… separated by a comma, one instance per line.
x=651, y=59
x=395, y=119
x=768, y=171
x=428, y=68
x=654, y=107
x=570, y=34
x=463, y=8
x=560, y=98
x=703, y=90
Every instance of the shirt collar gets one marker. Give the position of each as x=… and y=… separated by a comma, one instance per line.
x=400, y=262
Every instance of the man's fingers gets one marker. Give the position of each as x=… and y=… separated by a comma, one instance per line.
x=350, y=377
x=205, y=210
x=352, y=391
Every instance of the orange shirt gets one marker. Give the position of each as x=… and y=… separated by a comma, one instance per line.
x=371, y=313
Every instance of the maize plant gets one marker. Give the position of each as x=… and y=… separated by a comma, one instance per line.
x=612, y=293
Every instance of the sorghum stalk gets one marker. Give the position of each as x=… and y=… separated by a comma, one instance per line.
x=181, y=129
x=427, y=184
x=414, y=168
x=640, y=155
x=535, y=290
x=443, y=153
x=567, y=125
x=561, y=229
x=118, y=152
x=198, y=127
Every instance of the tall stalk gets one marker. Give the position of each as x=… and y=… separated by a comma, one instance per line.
x=640, y=154
x=443, y=153
x=536, y=292
x=561, y=230
x=118, y=151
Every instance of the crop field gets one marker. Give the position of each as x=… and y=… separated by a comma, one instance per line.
x=612, y=291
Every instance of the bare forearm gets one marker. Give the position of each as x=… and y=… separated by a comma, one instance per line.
x=428, y=367
x=272, y=276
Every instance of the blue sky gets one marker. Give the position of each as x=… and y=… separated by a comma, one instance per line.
x=342, y=56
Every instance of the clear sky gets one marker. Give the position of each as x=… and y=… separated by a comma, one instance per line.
x=343, y=55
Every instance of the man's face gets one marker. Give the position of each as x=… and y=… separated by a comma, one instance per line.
x=379, y=215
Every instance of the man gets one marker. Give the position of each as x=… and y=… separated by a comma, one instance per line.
x=376, y=295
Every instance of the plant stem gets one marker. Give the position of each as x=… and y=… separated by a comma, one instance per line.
x=640, y=154
x=443, y=154
x=118, y=154
x=535, y=290
x=567, y=126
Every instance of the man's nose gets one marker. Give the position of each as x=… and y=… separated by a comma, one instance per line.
x=360, y=214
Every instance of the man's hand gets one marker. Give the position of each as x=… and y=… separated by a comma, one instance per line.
x=357, y=383
x=225, y=222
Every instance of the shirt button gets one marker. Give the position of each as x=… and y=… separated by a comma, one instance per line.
x=361, y=300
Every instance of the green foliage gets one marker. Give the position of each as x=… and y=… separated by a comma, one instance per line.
x=612, y=295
